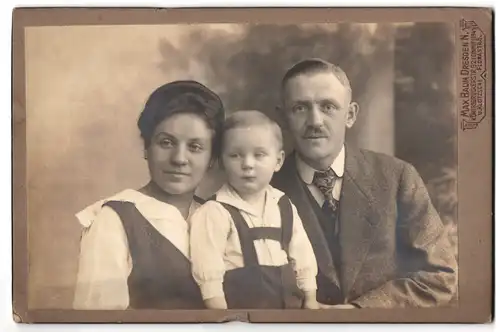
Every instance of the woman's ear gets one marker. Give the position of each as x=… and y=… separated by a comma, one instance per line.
x=220, y=163
x=213, y=162
x=352, y=113
x=145, y=154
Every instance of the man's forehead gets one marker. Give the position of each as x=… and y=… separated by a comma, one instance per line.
x=322, y=84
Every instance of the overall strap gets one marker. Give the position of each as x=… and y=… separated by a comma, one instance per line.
x=244, y=234
x=286, y=214
x=131, y=219
x=198, y=199
x=263, y=233
x=141, y=235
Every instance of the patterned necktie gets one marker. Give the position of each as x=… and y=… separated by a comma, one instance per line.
x=325, y=181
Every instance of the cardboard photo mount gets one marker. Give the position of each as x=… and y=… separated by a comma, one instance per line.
x=475, y=172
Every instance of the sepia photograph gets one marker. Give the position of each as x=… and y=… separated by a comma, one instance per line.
x=246, y=166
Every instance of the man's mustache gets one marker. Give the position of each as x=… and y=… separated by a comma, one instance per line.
x=315, y=132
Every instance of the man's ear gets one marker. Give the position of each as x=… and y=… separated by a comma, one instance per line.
x=281, y=116
x=281, y=160
x=352, y=113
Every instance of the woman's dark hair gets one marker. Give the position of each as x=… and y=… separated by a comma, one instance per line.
x=182, y=97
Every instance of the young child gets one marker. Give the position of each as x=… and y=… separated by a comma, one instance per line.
x=248, y=245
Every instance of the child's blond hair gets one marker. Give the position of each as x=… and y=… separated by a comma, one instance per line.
x=250, y=118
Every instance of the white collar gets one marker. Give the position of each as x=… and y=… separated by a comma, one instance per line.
x=306, y=172
x=226, y=194
x=154, y=208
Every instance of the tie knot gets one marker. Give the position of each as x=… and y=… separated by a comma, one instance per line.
x=325, y=181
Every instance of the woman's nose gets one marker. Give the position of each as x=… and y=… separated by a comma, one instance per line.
x=179, y=156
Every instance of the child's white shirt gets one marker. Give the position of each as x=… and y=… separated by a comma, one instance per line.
x=215, y=246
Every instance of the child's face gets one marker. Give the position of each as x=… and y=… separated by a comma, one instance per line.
x=251, y=155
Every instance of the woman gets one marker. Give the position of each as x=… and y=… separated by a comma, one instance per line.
x=134, y=249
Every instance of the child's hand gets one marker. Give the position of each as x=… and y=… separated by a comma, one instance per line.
x=216, y=303
x=336, y=306
x=311, y=304
x=310, y=300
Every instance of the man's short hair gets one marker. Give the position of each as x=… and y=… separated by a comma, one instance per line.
x=249, y=118
x=315, y=65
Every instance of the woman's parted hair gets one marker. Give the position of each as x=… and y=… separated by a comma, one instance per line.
x=182, y=97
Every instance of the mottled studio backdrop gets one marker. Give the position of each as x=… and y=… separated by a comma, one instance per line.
x=86, y=86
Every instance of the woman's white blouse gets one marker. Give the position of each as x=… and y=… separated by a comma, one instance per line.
x=105, y=262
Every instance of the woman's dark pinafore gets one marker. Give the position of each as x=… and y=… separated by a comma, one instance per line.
x=161, y=275
x=262, y=287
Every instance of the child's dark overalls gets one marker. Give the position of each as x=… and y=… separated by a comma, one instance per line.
x=256, y=286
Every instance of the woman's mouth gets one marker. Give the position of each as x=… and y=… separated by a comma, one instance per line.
x=315, y=137
x=176, y=173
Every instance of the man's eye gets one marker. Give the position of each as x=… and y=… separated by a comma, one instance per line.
x=299, y=108
x=329, y=107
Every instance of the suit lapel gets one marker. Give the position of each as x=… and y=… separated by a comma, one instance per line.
x=292, y=185
x=356, y=226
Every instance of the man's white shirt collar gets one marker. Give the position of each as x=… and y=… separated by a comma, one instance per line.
x=306, y=172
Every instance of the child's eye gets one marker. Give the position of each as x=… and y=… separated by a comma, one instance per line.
x=233, y=155
x=260, y=154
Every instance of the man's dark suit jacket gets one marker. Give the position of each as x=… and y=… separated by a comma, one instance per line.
x=394, y=249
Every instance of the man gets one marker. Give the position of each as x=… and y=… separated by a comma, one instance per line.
x=378, y=240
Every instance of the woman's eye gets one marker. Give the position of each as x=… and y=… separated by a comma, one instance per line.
x=166, y=143
x=195, y=147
